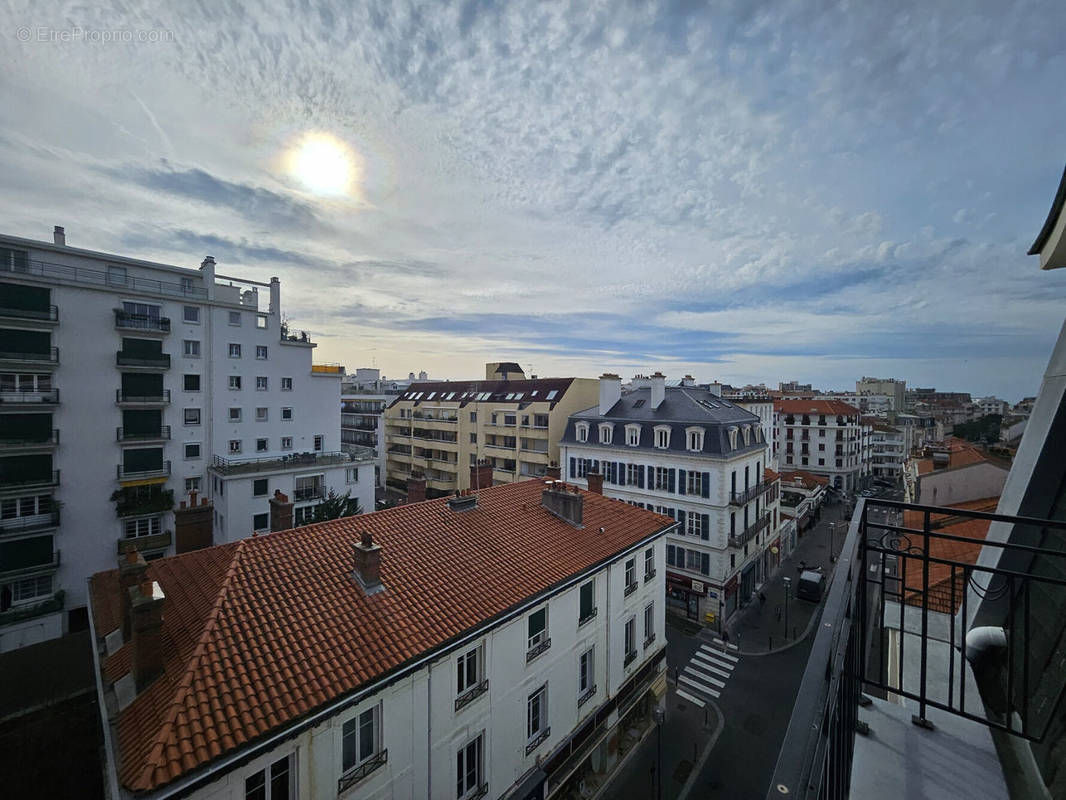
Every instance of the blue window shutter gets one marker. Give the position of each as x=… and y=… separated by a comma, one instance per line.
x=673, y=479
x=705, y=485
x=595, y=465
x=621, y=473
x=670, y=554
x=640, y=476
x=681, y=518
x=573, y=467
x=706, y=563
x=681, y=481
x=705, y=524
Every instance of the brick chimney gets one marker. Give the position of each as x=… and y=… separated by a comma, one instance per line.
x=416, y=488
x=280, y=512
x=481, y=474
x=146, y=605
x=552, y=473
x=59, y=235
x=566, y=504
x=367, y=573
x=595, y=480
x=131, y=569
x=194, y=524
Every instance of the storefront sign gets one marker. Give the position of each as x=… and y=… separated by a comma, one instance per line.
x=697, y=587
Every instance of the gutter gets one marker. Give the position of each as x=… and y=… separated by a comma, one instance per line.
x=110, y=768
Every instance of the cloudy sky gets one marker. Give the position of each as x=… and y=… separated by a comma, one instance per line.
x=740, y=191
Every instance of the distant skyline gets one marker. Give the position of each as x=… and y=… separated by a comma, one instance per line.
x=745, y=192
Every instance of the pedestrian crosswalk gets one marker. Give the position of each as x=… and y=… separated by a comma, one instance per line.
x=705, y=675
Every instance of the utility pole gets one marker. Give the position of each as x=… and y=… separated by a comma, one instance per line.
x=788, y=588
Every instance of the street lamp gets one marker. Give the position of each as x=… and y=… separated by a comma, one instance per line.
x=832, y=529
x=788, y=587
x=660, y=717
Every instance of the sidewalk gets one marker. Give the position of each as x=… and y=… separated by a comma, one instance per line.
x=759, y=628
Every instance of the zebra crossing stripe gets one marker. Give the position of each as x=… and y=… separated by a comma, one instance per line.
x=729, y=665
x=700, y=687
x=719, y=653
x=714, y=667
x=694, y=700
x=705, y=677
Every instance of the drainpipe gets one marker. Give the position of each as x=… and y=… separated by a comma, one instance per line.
x=429, y=731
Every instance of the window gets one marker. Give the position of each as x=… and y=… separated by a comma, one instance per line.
x=473, y=438
x=468, y=670
x=286, y=413
x=235, y=382
x=360, y=738
x=145, y=526
x=191, y=383
x=286, y=384
x=537, y=713
x=586, y=672
x=351, y=475
x=468, y=769
x=694, y=481
x=649, y=624
x=192, y=484
x=509, y=419
x=261, y=383
x=649, y=563
x=262, y=445
x=661, y=477
x=261, y=352
x=587, y=609
x=261, y=522
x=286, y=443
x=261, y=414
x=630, y=640
x=537, y=628
x=606, y=433
x=694, y=524
x=631, y=574
x=694, y=439
x=234, y=350
x=632, y=435
x=260, y=487
x=662, y=437
x=633, y=475
x=191, y=348
x=279, y=784
x=261, y=322
x=303, y=515
x=235, y=318
x=31, y=588
x=581, y=431
x=318, y=443
x=234, y=445
x=192, y=450
x=191, y=314
x=473, y=416
x=192, y=416
x=234, y=415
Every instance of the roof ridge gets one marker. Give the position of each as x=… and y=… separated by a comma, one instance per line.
x=184, y=686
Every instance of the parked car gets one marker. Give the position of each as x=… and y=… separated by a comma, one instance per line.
x=809, y=586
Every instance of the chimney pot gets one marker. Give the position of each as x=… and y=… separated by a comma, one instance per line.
x=367, y=562
x=59, y=235
x=595, y=480
x=560, y=501
x=280, y=512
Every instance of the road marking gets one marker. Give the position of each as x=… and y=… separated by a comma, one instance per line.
x=719, y=653
x=690, y=698
x=705, y=677
x=701, y=687
x=715, y=668
x=717, y=661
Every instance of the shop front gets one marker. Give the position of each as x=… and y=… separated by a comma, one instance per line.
x=695, y=599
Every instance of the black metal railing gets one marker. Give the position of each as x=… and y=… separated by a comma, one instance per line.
x=471, y=694
x=583, y=619
x=126, y=320
x=95, y=277
x=125, y=473
x=303, y=495
x=27, y=524
x=749, y=494
x=46, y=314
x=356, y=774
x=26, y=397
x=537, y=649
x=26, y=439
x=126, y=435
x=23, y=481
x=903, y=571
x=47, y=356
x=146, y=399
x=142, y=359
x=740, y=539
x=586, y=695
x=537, y=740
x=287, y=335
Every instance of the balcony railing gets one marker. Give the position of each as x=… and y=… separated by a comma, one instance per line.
x=471, y=694
x=126, y=435
x=47, y=314
x=155, y=541
x=312, y=493
x=48, y=356
x=155, y=360
x=95, y=277
x=28, y=398
x=236, y=466
x=746, y=535
x=537, y=649
x=29, y=569
x=35, y=522
x=19, y=613
x=749, y=494
x=356, y=774
x=142, y=399
x=25, y=440
x=124, y=320
x=894, y=626
x=301, y=337
x=30, y=481
x=124, y=473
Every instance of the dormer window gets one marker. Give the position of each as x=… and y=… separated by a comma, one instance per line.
x=606, y=432
x=662, y=436
x=694, y=439
x=733, y=438
x=758, y=433
x=747, y=435
x=633, y=435
x=581, y=430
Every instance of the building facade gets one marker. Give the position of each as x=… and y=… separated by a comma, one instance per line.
x=444, y=673
x=699, y=459
x=895, y=390
x=124, y=383
x=888, y=451
x=825, y=437
x=440, y=430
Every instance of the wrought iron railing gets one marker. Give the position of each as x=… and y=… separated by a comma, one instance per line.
x=124, y=473
x=35, y=397
x=34, y=522
x=127, y=435
x=10, y=440
x=746, y=535
x=356, y=774
x=903, y=570
x=537, y=649
x=471, y=694
x=147, y=399
x=24, y=481
x=161, y=360
x=749, y=494
x=126, y=320
x=47, y=356
x=537, y=740
x=95, y=277
x=47, y=314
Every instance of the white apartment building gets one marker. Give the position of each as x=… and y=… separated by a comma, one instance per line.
x=363, y=427
x=877, y=404
x=895, y=390
x=443, y=671
x=826, y=437
x=888, y=451
x=698, y=458
x=763, y=408
x=991, y=405
x=124, y=383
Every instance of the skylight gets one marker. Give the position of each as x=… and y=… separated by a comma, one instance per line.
x=552, y=394
x=638, y=403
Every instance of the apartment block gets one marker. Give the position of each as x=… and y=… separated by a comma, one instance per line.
x=826, y=437
x=125, y=383
x=508, y=424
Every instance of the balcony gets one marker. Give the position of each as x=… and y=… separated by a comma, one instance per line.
x=124, y=473
x=749, y=532
x=129, y=399
x=43, y=359
x=12, y=572
x=155, y=541
x=94, y=277
x=43, y=314
x=471, y=694
x=330, y=370
x=295, y=337
x=749, y=494
x=356, y=774
x=46, y=440
x=134, y=500
x=242, y=466
x=52, y=605
x=306, y=493
x=162, y=433
x=935, y=669
x=142, y=323
x=40, y=481
x=143, y=360
x=29, y=524
x=21, y=398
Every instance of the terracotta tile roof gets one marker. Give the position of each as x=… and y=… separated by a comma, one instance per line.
x=939, y=595
x=769, y=475
x=261, y=632
x=815, y=406
x=809, y=479
x=961, y=453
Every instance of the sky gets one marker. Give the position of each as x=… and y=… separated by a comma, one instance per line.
x=741, y=191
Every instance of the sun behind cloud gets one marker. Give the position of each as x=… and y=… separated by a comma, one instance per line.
x=324, y=164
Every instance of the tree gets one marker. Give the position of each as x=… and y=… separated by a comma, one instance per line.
x=982, y=430
x=336, y=506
